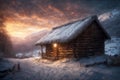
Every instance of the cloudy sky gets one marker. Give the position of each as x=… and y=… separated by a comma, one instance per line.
x=23, y=17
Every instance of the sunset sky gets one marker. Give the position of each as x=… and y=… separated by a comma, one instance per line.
x=23, y=17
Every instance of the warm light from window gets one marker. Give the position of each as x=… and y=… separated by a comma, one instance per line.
x=55, y=45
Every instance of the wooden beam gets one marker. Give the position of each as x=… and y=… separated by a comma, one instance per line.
x=42, y=51
x=57, y=52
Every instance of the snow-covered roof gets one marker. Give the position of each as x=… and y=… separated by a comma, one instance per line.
x=68, y=31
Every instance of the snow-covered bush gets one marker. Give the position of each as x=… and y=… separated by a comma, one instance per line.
x=112, y=50
x=112, y=47
x=19, y=55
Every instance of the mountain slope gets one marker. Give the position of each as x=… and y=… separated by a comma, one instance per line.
x=111, y=22
x=28, y=43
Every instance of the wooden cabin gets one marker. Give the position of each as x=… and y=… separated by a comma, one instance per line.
x=76, y=39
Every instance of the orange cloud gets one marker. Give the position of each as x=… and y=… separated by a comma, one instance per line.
x=21, y=26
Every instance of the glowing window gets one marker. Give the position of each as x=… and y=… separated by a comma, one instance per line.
x=55, y=45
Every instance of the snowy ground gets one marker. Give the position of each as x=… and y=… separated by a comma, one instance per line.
x=65, y=69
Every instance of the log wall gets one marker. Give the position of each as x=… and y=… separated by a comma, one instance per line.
x=90, y=42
